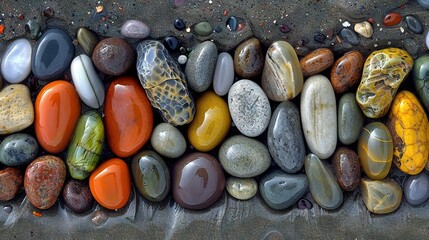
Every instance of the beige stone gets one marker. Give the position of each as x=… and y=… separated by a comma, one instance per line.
x=364, y=29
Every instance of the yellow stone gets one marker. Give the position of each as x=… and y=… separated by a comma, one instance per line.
x=211, y=122
x=381, y=196
x=409, y=126
x=16, y=109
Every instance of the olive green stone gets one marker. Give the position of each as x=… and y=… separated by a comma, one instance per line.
x=87, y=40
x=421, y=79
x=350, y=119
x=33, y=29
x=241, y=188
x=381, y=196
x=203, y=29
x=323, y=187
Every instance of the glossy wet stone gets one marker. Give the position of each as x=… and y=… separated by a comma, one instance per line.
x=128, y=116
x=57, y=110
x=211, y=122
x=282, y=75
x=317, y=61
x=414, y=24
x=77, y=196
x=408, y=124
x=392, y=19
x=201, y=65
x=11, y=180
x=135, y=29
x=244, y=157
x=168, y=141
x=32, y=28
x=285, y=138
x=241, y=188
x=113, y=56
x=232, y=23
x=172, y=43
x=423, y=3
x=249, y=107
x=16, y=61
x=151, y=175
x=364, y=29
x=372, y=95
x=179, y=24
x=350, y=119
x=347, y=71
x=349, y=36
x=223, y=74
x=421, y=79
x=282, y=190
x=319, y=116
x=52, y=54
x=16, y=108
x=197, y=181
x=381, y=196
x=203, y=29
x=375, y=150
x=99, y=217
x=110, y=184
x=346, y=168
x=87, y=40
x=44, y=180
x=323, y=186
x=249, y=58
x=416, y=189
x=164, y=82
x=18, y=149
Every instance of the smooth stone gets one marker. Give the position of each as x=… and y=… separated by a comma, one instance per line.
x=319, y=116
x=164, y=82
x=128, y=116
x=416, y=189
x=427, y=40
x=87, y=40
x=172, y=43
x=377, y=76
x=346, y=168
x=11, y=180
x=201, y=65
x=151, y=175
x=282, y=190
x=32, y=28
x=249, y=58
x=86, y=147
x=113, y=56
x=392, y=19
x=375, y=150
x=198, y=181
x=110, y=184
x=211, y=122
x=414, y=24
x=77, y=195
x=421, y=79
x=86, y=81
x=135, y=29
x=43, y=181
x=57, y=110
x=244, y=157
x=364, y=29
x=408, y=123
x=179, y=24
x=99, y=217
x=423, y=3
x=249, y=107
x=282, y=77
x=285, y=138
x=16, y=108
x=317, y=61
x=232, y=24
x=52, y=54
x=347, y=71
x=182, y=59
x=350, y=119
x=381, y=196
x=241, y=188
x=168, y=141
x=16, y=61
x=223, y=74
x=18, y=149
x=203, y=29
x=323, y=187
x=349, y=36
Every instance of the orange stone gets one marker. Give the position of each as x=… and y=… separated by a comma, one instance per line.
x=110, y=184
x=347, y=71
x=57, y=110
x=317, y=61
x=392, y=19
x=128, y=116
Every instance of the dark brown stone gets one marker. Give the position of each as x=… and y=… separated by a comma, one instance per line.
x=11, y=180
x=346, y=168
x=249, y=58
x=347, y=71
x=77, y=195
x=114, y=56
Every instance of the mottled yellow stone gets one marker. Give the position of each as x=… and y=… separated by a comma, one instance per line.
x=383, y=73
x=381, y=196
x=16, y=109
x=408, y=124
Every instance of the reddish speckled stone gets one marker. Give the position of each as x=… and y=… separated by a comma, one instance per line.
x=346, y=168
x=347, y=71
x=10, y=182
x=392, y=19
x=316, y=62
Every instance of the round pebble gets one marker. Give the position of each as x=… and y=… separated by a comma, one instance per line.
x=77, y=196
x=168, y=141
x=203, y=29
x=135, y=29
x=113, y=56
x=349, y=36
x=416, y=189
x=11, y=180
x=8, y=209
x=18, y=149
x=319, y=37
x=182, y=59
x=201, y=65
x=414, y=24
x=241, y=188
x=347, y=71
x=381, y=196
x=179, y=24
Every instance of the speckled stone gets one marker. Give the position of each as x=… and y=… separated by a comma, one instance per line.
x=350, y=119
x=244, y=157
x=381, y=196
x=249, y=107
x=135, y=29
x=241, y=188
x=416, y=189
x=87, y=40
x=224, y=74
x=201, y=65
x=77, y=195
x=285, y=138
x=347, y=71
x=281, y=190
x=11, y=180
x=317, y=61
x=203, y=29
x=249, y=58
x=114, y=56
x=18, y=149
x=346, y=168
x=168, y=141
x=349, y=36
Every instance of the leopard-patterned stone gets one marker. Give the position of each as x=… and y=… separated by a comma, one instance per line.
x=164, y=83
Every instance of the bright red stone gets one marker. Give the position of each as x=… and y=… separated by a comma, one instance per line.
x=392, y=19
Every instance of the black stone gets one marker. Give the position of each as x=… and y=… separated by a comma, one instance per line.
x=349, y=36
x=232, y=23
x=319, y=37
x=414, y=24
x=179, y=24
x=172, y=43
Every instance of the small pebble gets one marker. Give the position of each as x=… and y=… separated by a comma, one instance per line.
x=232, y=24
x=414, y=24
x=182, y=59
x=135, y=29
x=218, y=29
x=32, y=28
x=349, y=36
x=8, y=208
x=99, y=217
x=172, y=43
x=179, y=24
x=284, y=28
x=364, y=29
x=304, y=203
x=319, y=37
x=392, y=19
x=87, y=40
x=203, y=29
x=48, y=12
x=241, y=188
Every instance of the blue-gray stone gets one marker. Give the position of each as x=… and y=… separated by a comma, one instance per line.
x=416, y=189
x=349, y=36
x=414, y=24
x=18, y=149
x=350, y=119
x=232, y=24
x=201, y=65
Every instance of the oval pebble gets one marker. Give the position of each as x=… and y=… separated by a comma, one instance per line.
x=201, y=65
x=416, y=189
x=18, y=149
x=87, y=40
x=347, y=71
x=423, y=3
x=249, y=107
x=317, y=61
x=16, y=61
x=113, y=56
x=77, y=195
x=346, y=168
x=203, y=29
x=241, y=188
x=414, y=24
x=224, y=74
x=350, y=119
x=249, y=58
x=11, y=180
x=349, y=36
x=135, y=29
x=168, y=141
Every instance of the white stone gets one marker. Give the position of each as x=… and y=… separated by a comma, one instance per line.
x=182, y=59
x=319, y=116
x=224, y=74
x=16, y=61
x=249, y=107
x=87, y=82
x=135, y=29
x=364, y=29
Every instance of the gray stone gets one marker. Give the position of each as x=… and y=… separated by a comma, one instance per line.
x=168, y=141
x=350, y=119
x=224, y=74
x=416, y=189
x=201, y=65
x=135, y=29
x=203, y=29
x=18, y=149
x=241, y=188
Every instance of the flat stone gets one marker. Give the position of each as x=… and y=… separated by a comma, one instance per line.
x=346, y=168
x=16, y=61
x=87, y=40
x=203, y=29
x=349, y=36
x=317, y=61
x=421, y=79
x=350, y=119
x=416, y=189
x=135, y=29
x=347, y=71
x=18, y=149
x=224, y=74
x=113, y=56
x=241, y=188
x=249, y=58
x=11, y=180
x=381, y=196
x=201, y=65
x=168, y=141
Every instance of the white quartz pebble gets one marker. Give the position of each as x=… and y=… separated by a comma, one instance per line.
x=16, y=61
x=224, y=74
